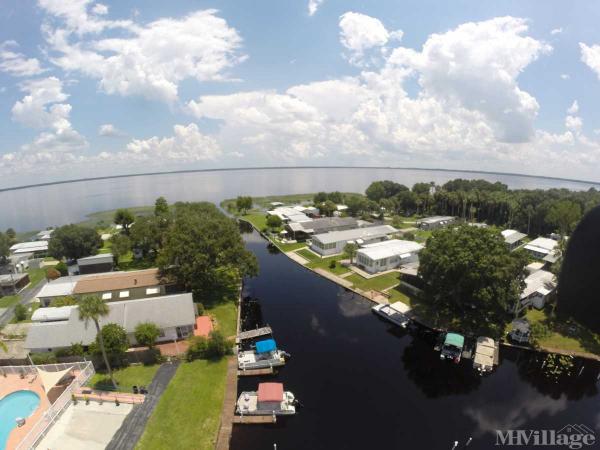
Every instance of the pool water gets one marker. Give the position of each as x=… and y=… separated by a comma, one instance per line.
x=17, y=404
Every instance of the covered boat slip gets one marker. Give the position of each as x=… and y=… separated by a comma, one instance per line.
x=486, y=354
x=264, y=356
x=269, y=400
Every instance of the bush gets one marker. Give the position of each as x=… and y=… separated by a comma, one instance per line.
x=52, y=273
x=409, y=236
x=217, y=345
x=43, y=358
x=274, y=221
x=74, y=350
x=332, y=264
x=197, y=349
x=20, y=312
x=200, y=309
x=62, y=268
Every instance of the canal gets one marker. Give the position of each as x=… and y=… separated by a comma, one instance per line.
x=364, y=385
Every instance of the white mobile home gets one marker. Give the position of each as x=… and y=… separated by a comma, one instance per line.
x=333, y=242
x=433, y=222
x=387, y=255
x=513, y=238
x=539, y=285
x=541, y=247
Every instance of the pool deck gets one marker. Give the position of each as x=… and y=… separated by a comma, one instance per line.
x=12, y=383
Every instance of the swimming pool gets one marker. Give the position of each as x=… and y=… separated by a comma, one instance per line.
x=17, y=404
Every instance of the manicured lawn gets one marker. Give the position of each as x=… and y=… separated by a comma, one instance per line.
x=36, y=275
x=103, y=219
x=290, y=247
x=106, y=247
x=8, y=300
x=30, y=310
x=258, y=220
x=226, y=317
x=397, y=296
x=307, y=254
x=188, y=413
x=378, y=283
x=325, y=262
x=126, y=378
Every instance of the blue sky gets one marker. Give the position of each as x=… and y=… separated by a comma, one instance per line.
x=98, y=88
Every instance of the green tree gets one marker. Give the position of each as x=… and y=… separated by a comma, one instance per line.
x=125, y=218
x=92, y=308
x=203, y=251
x=336, y=197
x=73, y=242
x=146, y=334
x=421, y=188
x=375, y=191
x=161, y=207
x=470, y=273
x=274, y=221
x=243, y=204
x=120, y=246
x=115, y=342
x=20, y=312
x=11, y=235
x=320, y=197
x=67, y=300
x=564, y=214
x=4, y=247
x=350, y=249
x=327, y=208
x=147, y=234
x=62, y=269
x=217, y=345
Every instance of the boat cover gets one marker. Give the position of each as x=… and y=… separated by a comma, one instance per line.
x=268, y=345
x=455, y=340
x=270, y=392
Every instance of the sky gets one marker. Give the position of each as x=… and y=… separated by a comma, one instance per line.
x=108, y=88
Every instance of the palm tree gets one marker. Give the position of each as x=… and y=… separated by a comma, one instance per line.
x=92, y=308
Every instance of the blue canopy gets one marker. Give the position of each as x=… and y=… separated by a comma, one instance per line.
x=265, y=346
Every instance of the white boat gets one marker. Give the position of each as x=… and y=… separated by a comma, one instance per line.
x=485, y=355
x=270, y=399
x=393, y=312
x=265, y=355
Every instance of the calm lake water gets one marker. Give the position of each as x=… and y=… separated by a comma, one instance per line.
x=365, y=385
x=41, y=207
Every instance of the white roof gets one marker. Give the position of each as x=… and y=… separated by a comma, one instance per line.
x=166, y=312
x=387, y=249
x=289, y=213
x=542, y=282
x=512, y=236
x=52, y=314
x=28, y=247
x=341, y=207
x=534, y=266
x=435, y=219
x=355, y=234
x=58, y=288
x=95, y=259
x=542, y=245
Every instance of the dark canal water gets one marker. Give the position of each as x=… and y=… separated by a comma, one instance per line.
x=366, y=386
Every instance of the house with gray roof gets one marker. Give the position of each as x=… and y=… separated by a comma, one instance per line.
x=55, y=328
x=513, y=238
x=303, y=230
x=333, y=242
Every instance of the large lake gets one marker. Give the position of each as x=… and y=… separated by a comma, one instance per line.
x=40, y=207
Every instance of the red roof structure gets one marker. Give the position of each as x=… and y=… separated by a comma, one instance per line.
x=270, y=392
x=203, y=326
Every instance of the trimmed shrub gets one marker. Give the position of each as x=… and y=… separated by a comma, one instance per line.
x=217, y=345
x=200, y=309
x=62, y=268
x=197, y=349
x=20, y=312
x=43, y=358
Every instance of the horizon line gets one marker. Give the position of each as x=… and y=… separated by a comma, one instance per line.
x=170, y=172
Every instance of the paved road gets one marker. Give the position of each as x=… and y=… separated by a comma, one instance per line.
x=130, y=432
x=27, y=295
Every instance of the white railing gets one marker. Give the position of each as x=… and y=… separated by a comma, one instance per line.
x=43, y=425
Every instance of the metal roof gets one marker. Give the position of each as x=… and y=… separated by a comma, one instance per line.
x=11, y=279
x=27, y=247
x=542, y=245
x=324, y=224
x=435, y=219
x=541, y=281
x=355, y=234
x=512, y=236
x=387, y=249
x=95, y=259
x=52, y=314
x=58, y=288
x=166, y=312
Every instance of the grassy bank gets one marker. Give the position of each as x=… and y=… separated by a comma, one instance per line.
x=126, y=378
x=103, y=219
x=187, y=415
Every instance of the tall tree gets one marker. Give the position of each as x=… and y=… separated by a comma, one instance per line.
x=146, y=334
x=74, y=241
x=146, y=234
x=161, y=207
x=564, y=214
x=11, y=235
x=120, y=246
x=92, y=308
x=350, y=249
x=327, y=208
x=4, y=247
x=243, y=204
x=125, y=218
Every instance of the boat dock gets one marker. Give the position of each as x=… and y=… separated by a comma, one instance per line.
x=251, y=334
x=254, y=372
x=250, y=420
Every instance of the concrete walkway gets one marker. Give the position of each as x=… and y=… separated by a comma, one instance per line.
x=228, y=411
x=296, y=257
x=134, y=424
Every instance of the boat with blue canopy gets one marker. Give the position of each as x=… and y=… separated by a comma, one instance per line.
x=264, y=355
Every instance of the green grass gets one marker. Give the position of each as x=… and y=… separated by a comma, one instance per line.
x=106, y=247
x=226, y=316
x=258, y=220
x=36, y=275
x=325, y=262
x=265, y=202
x=188, y=413
x=8, y=300
x=378, y=283
x=422, y=235
x=308, y=255
x=397, y=296
x=103, y=219
x=289, y=247
x=30, y=310
x=126, y=378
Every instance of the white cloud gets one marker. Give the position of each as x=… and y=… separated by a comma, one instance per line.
x=100, y=9
x=590, y=55
x=148, y=60
x=574, y=108
x=109, y=130
x=313, y=5
x=476, y=66
x=564, y=76
x=187, y=144
x=17, y=64
x=556, y=31
x=360, y=33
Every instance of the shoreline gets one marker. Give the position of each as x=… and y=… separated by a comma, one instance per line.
x=333, y=278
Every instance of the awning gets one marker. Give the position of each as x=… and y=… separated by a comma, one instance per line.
x=455, y=340
x=266, y=346
x=50, y=379
x=270, y=392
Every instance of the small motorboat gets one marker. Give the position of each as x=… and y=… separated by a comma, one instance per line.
x=393, y=313
x=485, y=355
x=270, y=399
x=452, y=347
x=264, y=355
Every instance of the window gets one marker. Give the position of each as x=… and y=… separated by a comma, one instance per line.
x=107, y=296
x=124, y=294
x=152, y=291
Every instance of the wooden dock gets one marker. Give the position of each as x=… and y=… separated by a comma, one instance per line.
x=252, y=420
x=254, y=372
x=251, y=334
